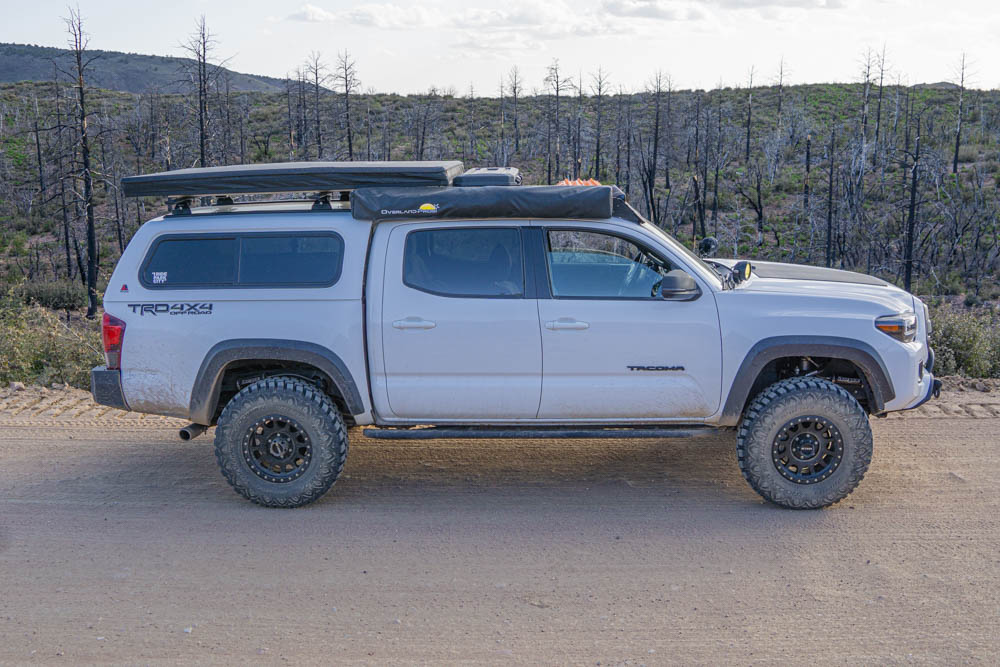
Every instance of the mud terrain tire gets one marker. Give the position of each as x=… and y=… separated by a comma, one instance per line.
x=824, y=418
x=280, y=442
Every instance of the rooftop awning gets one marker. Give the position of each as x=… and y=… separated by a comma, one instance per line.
x=290, y=177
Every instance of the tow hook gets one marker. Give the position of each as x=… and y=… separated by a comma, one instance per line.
x=191, y=431
x=936, y=391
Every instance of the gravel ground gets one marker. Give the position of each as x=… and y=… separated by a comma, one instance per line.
x=121, y=544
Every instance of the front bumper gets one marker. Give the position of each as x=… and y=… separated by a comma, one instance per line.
x=933, y=391
x=106, y=388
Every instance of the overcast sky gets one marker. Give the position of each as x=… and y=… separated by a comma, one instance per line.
x=409, y=46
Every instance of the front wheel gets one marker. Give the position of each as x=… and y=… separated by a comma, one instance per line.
x=804, y=443
x=281, y=442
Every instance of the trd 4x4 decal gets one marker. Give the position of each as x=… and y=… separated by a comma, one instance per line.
x=171, y=308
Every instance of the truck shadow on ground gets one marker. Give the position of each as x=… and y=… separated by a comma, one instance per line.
x=694, y=470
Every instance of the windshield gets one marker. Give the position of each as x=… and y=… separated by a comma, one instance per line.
x=707, y=271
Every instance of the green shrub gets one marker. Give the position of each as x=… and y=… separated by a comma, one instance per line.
x=967, y=154
x=38, y=347
x=58, y=295
x=966, y=341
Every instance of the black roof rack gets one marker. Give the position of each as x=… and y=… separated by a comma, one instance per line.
x=290, y=177
x=388, y=190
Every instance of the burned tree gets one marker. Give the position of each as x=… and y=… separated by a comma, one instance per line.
x=346, y=78
x=78, y=46
x=316, y=70
x=202, y=74
x=599, y=88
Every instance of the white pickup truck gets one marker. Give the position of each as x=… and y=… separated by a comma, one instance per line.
x=419, y=300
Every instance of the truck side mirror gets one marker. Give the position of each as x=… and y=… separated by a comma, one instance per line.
x=741, y=271
x=679, y=286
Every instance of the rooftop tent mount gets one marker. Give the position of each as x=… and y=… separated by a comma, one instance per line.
x=290, y=177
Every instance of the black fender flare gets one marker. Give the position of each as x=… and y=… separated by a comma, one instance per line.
x=861, y=354
x=207, y=384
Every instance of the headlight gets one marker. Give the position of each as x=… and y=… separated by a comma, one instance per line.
x=902, y=327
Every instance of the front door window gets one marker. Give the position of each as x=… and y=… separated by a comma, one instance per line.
x=594, y=265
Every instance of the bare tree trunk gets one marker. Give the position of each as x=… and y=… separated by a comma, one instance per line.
x=961, y=107
x=599, y=88
x=515, y=94
x=749, y=115
x=62, y=177
x=911, y=216
x=556, y=84
x=78, y=44
x=805, y=183
x=347, y=77
x=315, y=67
x=829, y=202
x=38, y=150
x=199, y=47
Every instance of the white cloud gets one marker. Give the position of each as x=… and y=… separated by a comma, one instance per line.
x=765, y=4
x=679, y=10
x=312, y=14
x=647, y=9
x=393, y=17
x=521, y=21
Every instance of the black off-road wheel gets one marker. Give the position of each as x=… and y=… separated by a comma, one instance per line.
x=281, y=442
x=804, y=443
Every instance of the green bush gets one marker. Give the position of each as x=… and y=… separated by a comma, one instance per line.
x=58, y=295
x=38, y=347
x=967, y=154
x=966, y=341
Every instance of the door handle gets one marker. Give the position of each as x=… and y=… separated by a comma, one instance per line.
x=566, y=323
x=414, y=323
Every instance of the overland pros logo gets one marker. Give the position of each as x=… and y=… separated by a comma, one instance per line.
x=424, y=209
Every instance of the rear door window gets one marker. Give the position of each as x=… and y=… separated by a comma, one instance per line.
x=467, y=262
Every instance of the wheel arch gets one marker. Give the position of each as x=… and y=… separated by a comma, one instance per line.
x=862, y=355
x=225, y=354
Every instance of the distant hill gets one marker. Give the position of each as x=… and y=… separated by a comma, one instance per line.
x=114, y=70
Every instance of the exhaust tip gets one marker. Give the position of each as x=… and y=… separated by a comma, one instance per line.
x=191, y=431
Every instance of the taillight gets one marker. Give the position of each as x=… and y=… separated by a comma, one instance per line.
x=112, y=333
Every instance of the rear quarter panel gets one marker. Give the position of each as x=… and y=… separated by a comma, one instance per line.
x=165, y=345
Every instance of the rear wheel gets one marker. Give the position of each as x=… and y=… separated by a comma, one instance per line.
x=281, y=442
x=804, y=443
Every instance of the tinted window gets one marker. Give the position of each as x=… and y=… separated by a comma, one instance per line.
x=287, y=260
x=186, y=262
x=464, y=262
x=251, y=260
x=595, y=265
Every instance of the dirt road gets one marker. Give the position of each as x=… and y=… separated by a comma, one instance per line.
x=120, y=543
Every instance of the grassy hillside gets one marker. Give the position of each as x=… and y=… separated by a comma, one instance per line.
x=114, y=70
